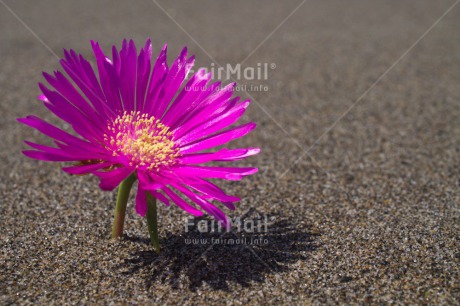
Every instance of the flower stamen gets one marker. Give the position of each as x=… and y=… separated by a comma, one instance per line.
x=143, y=140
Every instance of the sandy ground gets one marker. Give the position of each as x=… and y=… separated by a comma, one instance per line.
x=370, y=214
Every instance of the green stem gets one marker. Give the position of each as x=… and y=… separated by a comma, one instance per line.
x=120, y=208
x=152, y=221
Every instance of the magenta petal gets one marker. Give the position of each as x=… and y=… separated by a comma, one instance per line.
x=46, y=156
x=67, y=90
x=108, y=78
x=67, y=112
x=152, y=186
x=141, y=201
x=81, y=73
x=211, y=191
x=51, y=131
x=127, y=75
x=173, y=82
x=148, y=182
x=232, y=174
x=222, y=155
x=229, y=205
x=85, y=153
x=52, y=150
x=181, y=203
x=214, y=124
x=143, y=71
x=208, y=97
x=219, y=139
x=188, y=97
x=97, y=99
x=211, y=102
x=159, y=71
x=160, y=197
x=208, y=207
x=86, y=168
x=111, y=179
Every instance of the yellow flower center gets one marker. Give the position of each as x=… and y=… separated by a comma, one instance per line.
x=142, y=139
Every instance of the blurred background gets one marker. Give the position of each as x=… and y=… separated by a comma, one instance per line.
x=359, y=170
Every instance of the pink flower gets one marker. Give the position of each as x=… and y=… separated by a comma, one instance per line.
x=132, y=118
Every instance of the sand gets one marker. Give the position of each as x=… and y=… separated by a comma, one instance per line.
x=369, y=215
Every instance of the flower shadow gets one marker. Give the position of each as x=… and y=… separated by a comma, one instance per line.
x=219, y=259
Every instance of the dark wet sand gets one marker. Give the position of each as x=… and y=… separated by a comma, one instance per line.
x=370, y=215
